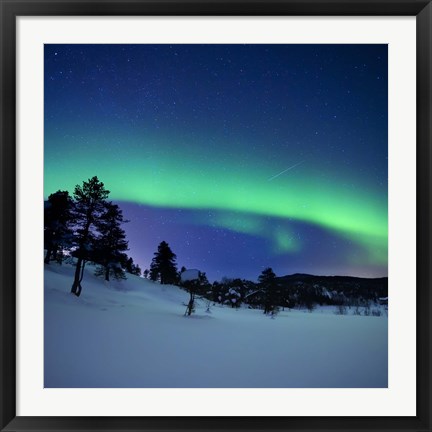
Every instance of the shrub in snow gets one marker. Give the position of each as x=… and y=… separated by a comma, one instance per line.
x=196, y=284
x=233, y=297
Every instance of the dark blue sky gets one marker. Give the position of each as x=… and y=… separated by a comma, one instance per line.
x=239, y=156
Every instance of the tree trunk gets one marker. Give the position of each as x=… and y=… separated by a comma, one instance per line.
x=190, y=304
x=107, y=273
x=76, y=286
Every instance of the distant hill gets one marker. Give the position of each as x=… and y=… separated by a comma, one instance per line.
x=349, y=286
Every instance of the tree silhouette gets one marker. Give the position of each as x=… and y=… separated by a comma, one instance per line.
x=196, y=284
x=57, y=221
x=136, y=270
x=90, y=205
x=133, y=268
x=111, y=244
x=163, y=266
x=267, y=281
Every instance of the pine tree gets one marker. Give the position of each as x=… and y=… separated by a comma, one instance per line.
x=267, y=281
x=111, y=244
x=129, y=265
x=136, y=270
x=57, y=224
x=234, y=293
x=163, y=266
x=132, y=268
x=90, y=205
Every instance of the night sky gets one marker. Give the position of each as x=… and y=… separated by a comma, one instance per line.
x=241, y=157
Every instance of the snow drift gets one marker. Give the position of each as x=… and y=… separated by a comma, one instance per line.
x=133, y=333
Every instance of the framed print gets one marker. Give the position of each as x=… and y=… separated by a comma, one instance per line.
x=215, y=216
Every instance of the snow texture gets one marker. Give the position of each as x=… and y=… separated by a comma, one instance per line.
x=189, y=275
x=133, y=333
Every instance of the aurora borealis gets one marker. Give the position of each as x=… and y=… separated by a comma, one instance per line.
x=239, y=156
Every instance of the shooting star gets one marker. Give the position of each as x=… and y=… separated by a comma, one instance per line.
x=284, y=171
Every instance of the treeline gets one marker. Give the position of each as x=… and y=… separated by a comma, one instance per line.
x=88, y=227
x=271, y=293
x=233, y=292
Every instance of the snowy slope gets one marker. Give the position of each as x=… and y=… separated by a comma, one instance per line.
x=133, y=334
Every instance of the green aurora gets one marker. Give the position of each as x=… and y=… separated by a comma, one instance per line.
x=178, y=177
x=276, y=152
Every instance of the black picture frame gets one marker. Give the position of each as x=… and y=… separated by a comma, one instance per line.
x=10, y=9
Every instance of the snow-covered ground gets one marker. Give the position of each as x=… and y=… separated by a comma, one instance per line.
x=133, y=334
